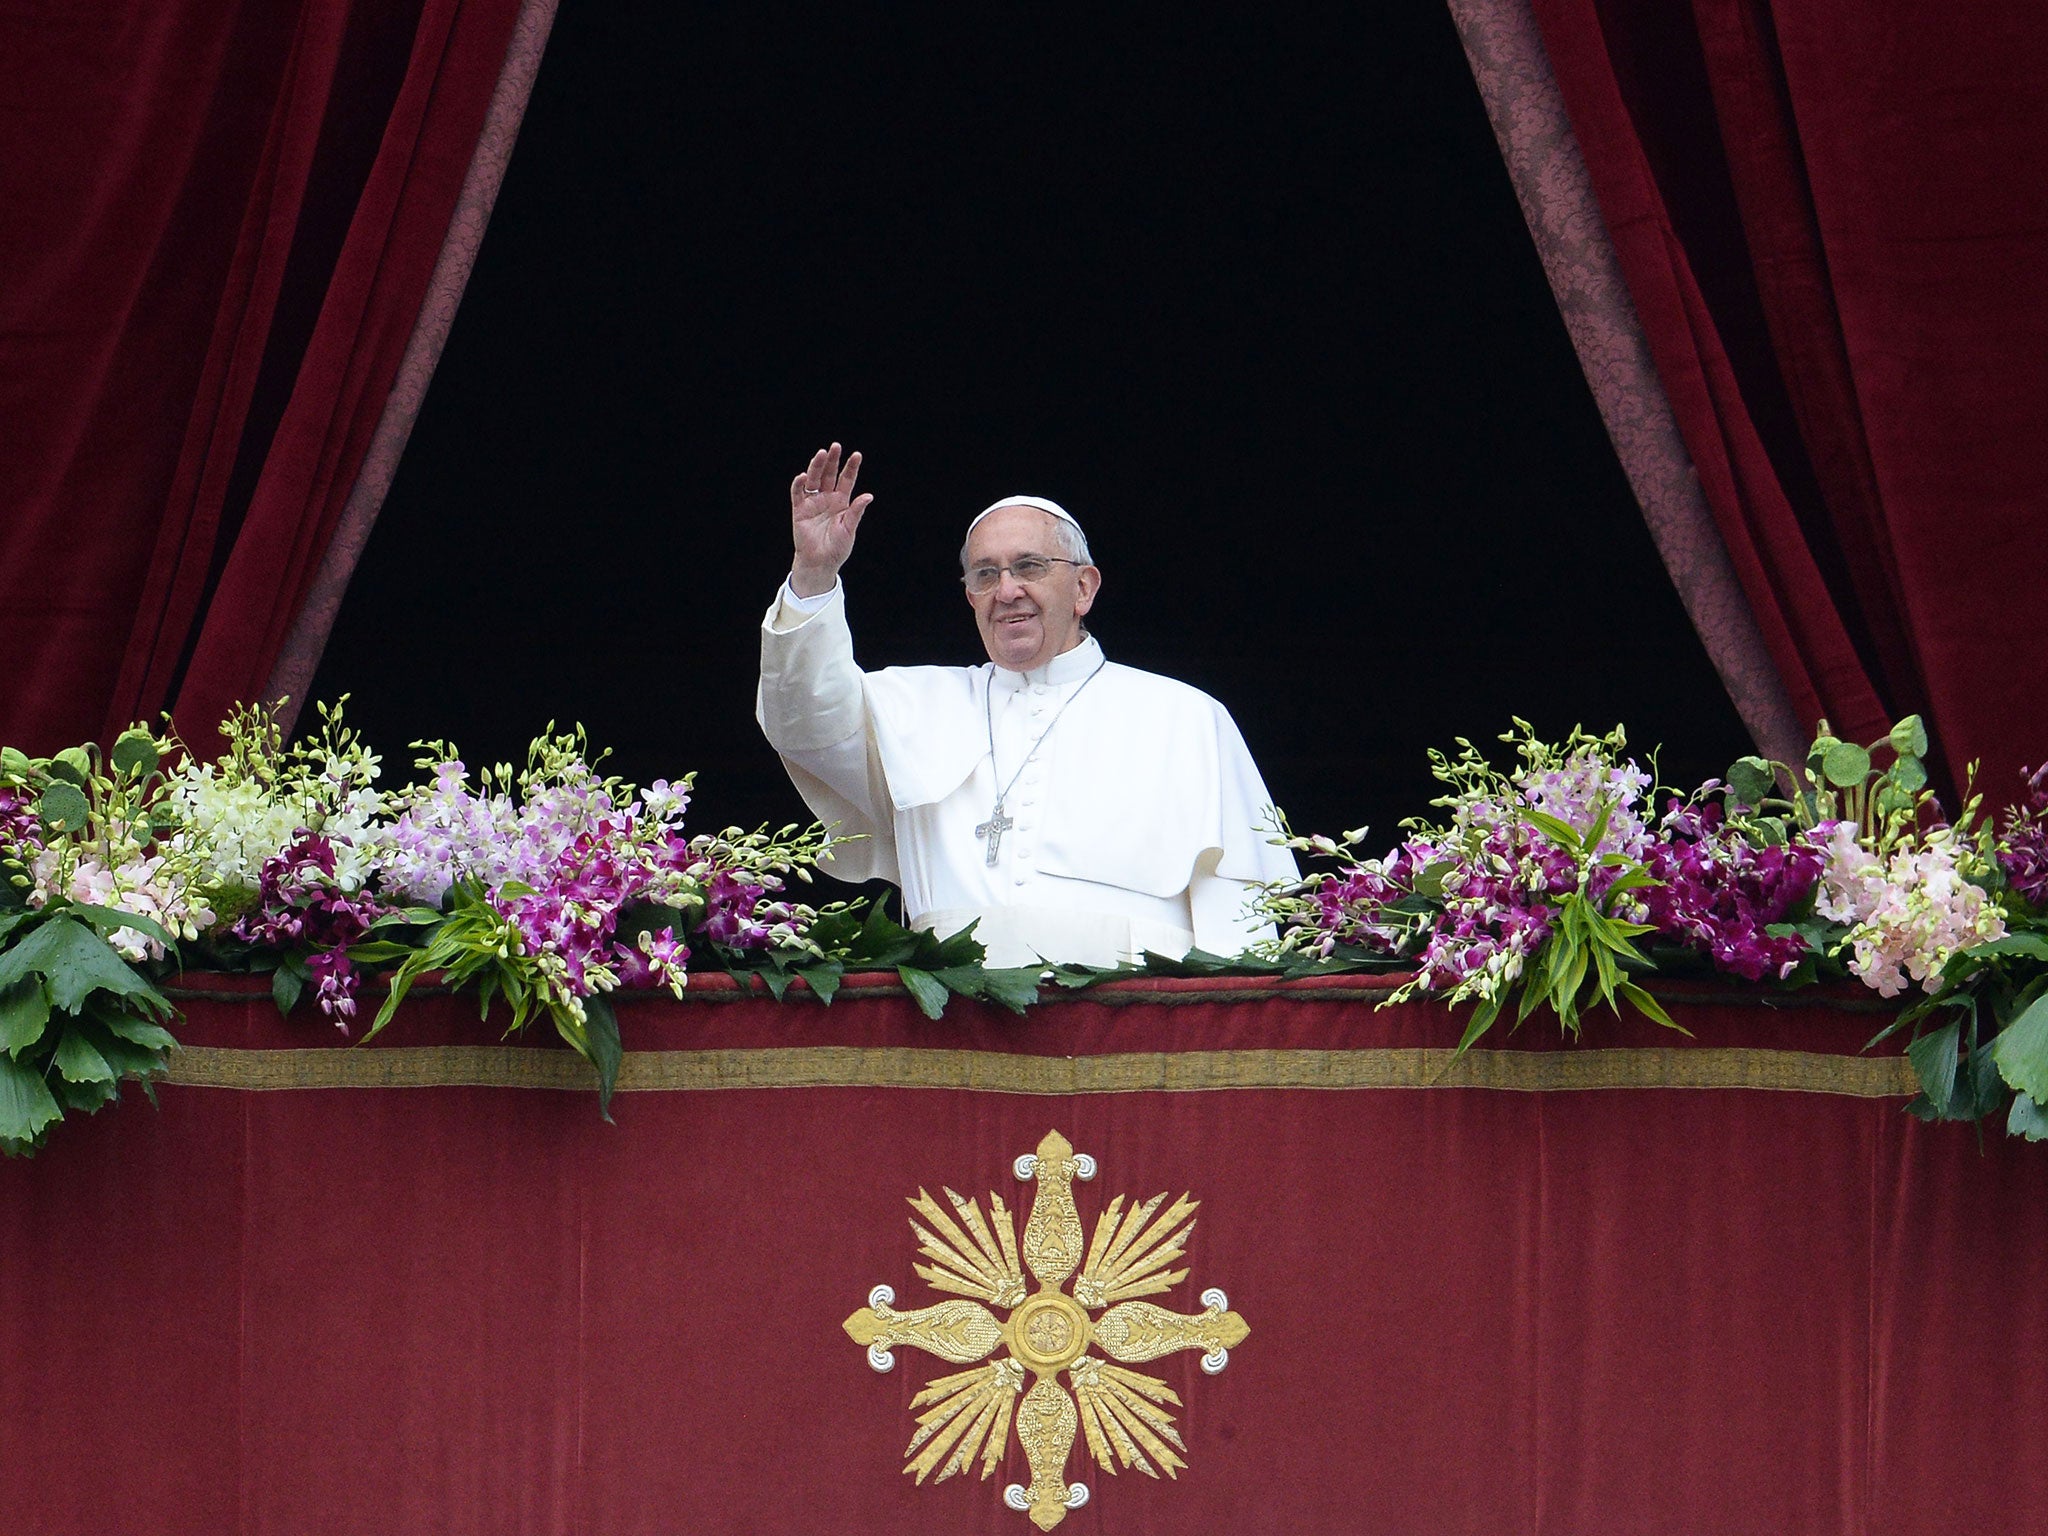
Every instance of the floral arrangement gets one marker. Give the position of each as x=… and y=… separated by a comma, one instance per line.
x=1563, y=880
x=93, y=887
x=545, y=889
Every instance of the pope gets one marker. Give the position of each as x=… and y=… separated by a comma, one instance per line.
x=1079, y=810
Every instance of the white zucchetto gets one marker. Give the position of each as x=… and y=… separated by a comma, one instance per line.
x=1039, y=502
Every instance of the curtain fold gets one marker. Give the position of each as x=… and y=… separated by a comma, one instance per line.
x=1825, y=216
x=223, y=242
x=1549, y=174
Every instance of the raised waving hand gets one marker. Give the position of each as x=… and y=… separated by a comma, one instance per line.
x=824, y=515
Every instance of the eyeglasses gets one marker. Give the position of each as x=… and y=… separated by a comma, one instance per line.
x=983, y=578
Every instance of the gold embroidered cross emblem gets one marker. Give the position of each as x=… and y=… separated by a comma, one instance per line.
x=1123, y=1413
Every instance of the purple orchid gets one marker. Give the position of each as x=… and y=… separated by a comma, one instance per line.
x=300, y=904
x=1721, y=894
x=2023, y=853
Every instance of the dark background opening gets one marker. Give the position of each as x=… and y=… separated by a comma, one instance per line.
x=1251, y=297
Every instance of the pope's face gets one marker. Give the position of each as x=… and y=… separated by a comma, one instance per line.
x=1025, y=625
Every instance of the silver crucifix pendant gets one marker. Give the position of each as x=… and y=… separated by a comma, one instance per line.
x=993, y=830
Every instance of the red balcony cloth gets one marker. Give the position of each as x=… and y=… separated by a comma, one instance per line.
x=483, y=1310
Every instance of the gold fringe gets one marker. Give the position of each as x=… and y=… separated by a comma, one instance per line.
x=852, y=1066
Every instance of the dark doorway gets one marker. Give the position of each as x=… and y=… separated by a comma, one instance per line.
x=1251, y=297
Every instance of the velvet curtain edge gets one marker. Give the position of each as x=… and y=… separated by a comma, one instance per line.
x=1555, y=191
x=292, y=673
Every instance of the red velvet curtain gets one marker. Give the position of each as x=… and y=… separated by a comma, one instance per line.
x=1833, y=219
x=221, y=221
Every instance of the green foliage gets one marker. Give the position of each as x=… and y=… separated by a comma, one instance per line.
x=1838, y=781
x=1990, y=1050
x=1285, y=966
x=63, y=807
x=855, y=938
x=2021, y=1050
x=472, y=944
x=75, y=1021
x=1591, y=951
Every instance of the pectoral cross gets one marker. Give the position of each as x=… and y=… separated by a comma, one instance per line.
x=993, y=830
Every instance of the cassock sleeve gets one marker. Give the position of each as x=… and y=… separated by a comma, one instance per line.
x=1242, y=854
x=1218, y=906
x=813, y=710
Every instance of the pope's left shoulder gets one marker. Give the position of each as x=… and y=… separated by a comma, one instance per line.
x=1161, y=688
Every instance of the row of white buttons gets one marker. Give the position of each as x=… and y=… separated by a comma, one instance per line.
x=1033, y=776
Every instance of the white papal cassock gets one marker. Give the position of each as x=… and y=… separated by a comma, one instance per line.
x=1136, y=822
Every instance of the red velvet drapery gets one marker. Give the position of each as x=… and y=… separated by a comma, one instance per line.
x=1832, y=219
x=1654, y=1284
x=221, y=221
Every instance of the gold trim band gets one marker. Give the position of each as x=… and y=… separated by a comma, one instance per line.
x=852, y=1066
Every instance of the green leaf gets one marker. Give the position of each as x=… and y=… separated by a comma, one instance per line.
x=134, y=754
x=1648, y=1006
x=1482, y=1019
x=1909, y=774
x=76, y=962
x=1599, y=828
x=601, y=1029
x=1846, y=765
x=71, y=766
x=1569, y=979
x=882, y=942
x=125, y=1058
x=955, y=949
x=411, y=917
x=927, y=990
x=401, y=983
x=2033, y=945
x=1979, y=1088
x=111, y=920
x=823, y=980
x=1909, y=737
x=1560, y=832
x=1607, y=977
x=26, y=1105
x=1934, y=1062
x=1429, y=884
x=63, y=807
x=377, y=951
x=286, y=985
x=1750, y=780
x=2027, y=1119
x=517, y=993
x=24, y=1011
x=79, y=1062
x=1015, y=988
x=2021, y=1051
x=151, y=1037
x=89, y=1096
x=1635, y=880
